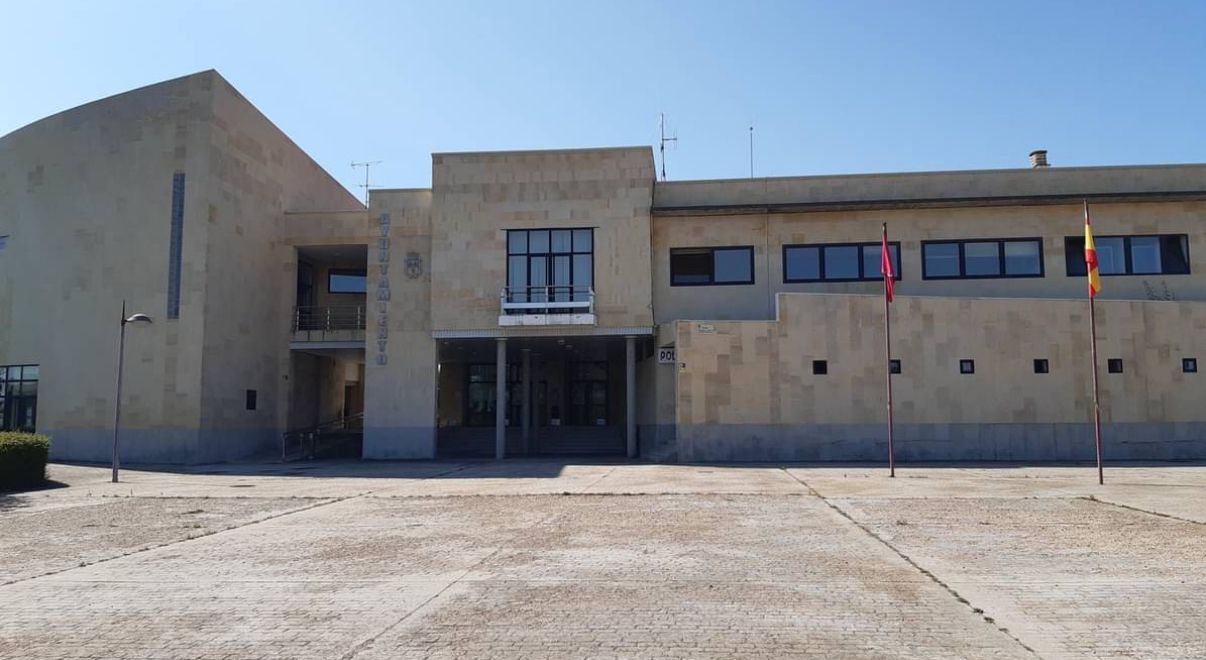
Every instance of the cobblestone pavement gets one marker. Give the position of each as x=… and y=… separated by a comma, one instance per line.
x=540, y=559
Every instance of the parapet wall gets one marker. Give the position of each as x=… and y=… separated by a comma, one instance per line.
x=746, y=390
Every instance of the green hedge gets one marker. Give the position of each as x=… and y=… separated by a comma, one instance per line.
x=22, y=460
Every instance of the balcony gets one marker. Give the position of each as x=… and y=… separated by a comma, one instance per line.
x=547, y=305
x=329, y=323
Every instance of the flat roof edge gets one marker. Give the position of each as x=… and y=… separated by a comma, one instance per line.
x=925, y=203
x=928, y=173
x=528, y=152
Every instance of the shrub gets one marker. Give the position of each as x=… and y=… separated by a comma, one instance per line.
x=23, y=460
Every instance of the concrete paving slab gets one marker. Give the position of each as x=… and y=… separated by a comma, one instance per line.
x=1070, y=577
x=552, y=559
x=37, y=541
x=667, y=479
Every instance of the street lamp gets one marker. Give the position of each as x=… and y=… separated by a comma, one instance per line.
x=121, y=354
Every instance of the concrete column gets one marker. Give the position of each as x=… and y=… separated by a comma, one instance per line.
x=500, y=402
x=630, y=394
x=527, y=399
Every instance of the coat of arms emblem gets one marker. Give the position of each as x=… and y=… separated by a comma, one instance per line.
x=414, y=265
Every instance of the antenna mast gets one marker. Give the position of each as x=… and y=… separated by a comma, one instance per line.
x=367, y=165
x=662, y=146
x=751, y=151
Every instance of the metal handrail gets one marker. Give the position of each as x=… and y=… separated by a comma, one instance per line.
x=308, y=439
x=542, y=299
x=328, y=317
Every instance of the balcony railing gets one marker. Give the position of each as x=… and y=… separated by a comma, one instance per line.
x=328, y=323
x=547, y=305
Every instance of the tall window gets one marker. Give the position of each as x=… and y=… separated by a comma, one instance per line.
x=982, y=259
x=1165, y=254
x=588, y=394
x=550, y=265
x=19, y=397
x=711, y=265
x=837, y=262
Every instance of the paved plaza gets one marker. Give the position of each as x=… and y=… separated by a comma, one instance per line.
x=553, y=559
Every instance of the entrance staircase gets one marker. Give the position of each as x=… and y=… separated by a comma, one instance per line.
x=338, y=438
x=465, y=442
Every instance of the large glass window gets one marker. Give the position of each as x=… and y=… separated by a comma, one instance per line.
x=346, y=280
x=480, y=400
x=711, y=265
x=19, y=397
x=1013, y=257
x=837, y=262
x=550, y=265
x=1160, y=254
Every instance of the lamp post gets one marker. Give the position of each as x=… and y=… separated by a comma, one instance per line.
x=121, y=354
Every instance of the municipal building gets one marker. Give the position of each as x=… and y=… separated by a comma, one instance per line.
x=568, y=302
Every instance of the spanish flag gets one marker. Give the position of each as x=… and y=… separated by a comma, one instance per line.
x=885, y=266
x=1091, y=257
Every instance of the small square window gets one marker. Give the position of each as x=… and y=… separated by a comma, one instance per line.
x=967, y=366
x=251, y=399
x=1041, y=366
x=1114, y=365
x=894, y=366
x=820, y=367
x=1189, y=365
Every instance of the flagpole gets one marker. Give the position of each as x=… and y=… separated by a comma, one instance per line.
x=1096, y=399
x=1096, y=392
x=888, y=365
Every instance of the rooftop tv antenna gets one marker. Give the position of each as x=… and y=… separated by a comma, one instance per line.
x=662, y=147
x=367, y=165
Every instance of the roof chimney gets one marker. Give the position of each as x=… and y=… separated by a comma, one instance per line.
x=1038, y=158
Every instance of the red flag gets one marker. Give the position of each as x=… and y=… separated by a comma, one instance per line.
x=885, y=266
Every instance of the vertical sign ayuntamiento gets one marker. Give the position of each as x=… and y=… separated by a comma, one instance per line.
x=382, y=289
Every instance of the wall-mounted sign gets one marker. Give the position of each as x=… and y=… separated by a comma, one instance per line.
x=665, y=355
x=383, y=289
x=706, y=328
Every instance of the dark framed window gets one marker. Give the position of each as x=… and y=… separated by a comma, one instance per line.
x=1189, y=365
x=893, y=366
x=587, y=394
x=837, y=262
x=347, y=280
x=480, y=388
x=251, y=396
x=967, y=366
x=982, y=258
x=1114, y=365
x=19, y=397
x=820, y=367
x=1042, y=366
x=550, y=265
x=1156, y=254
x=711, y=266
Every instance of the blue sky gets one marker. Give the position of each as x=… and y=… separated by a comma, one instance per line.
x=831, y=87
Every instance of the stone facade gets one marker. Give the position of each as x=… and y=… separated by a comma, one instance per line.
x=746, y=390
x=86, y=206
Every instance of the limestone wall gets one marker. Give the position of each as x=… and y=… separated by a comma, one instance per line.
x=477, y=197
x=401, y=374
x=746, y=390
x=85, y=199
